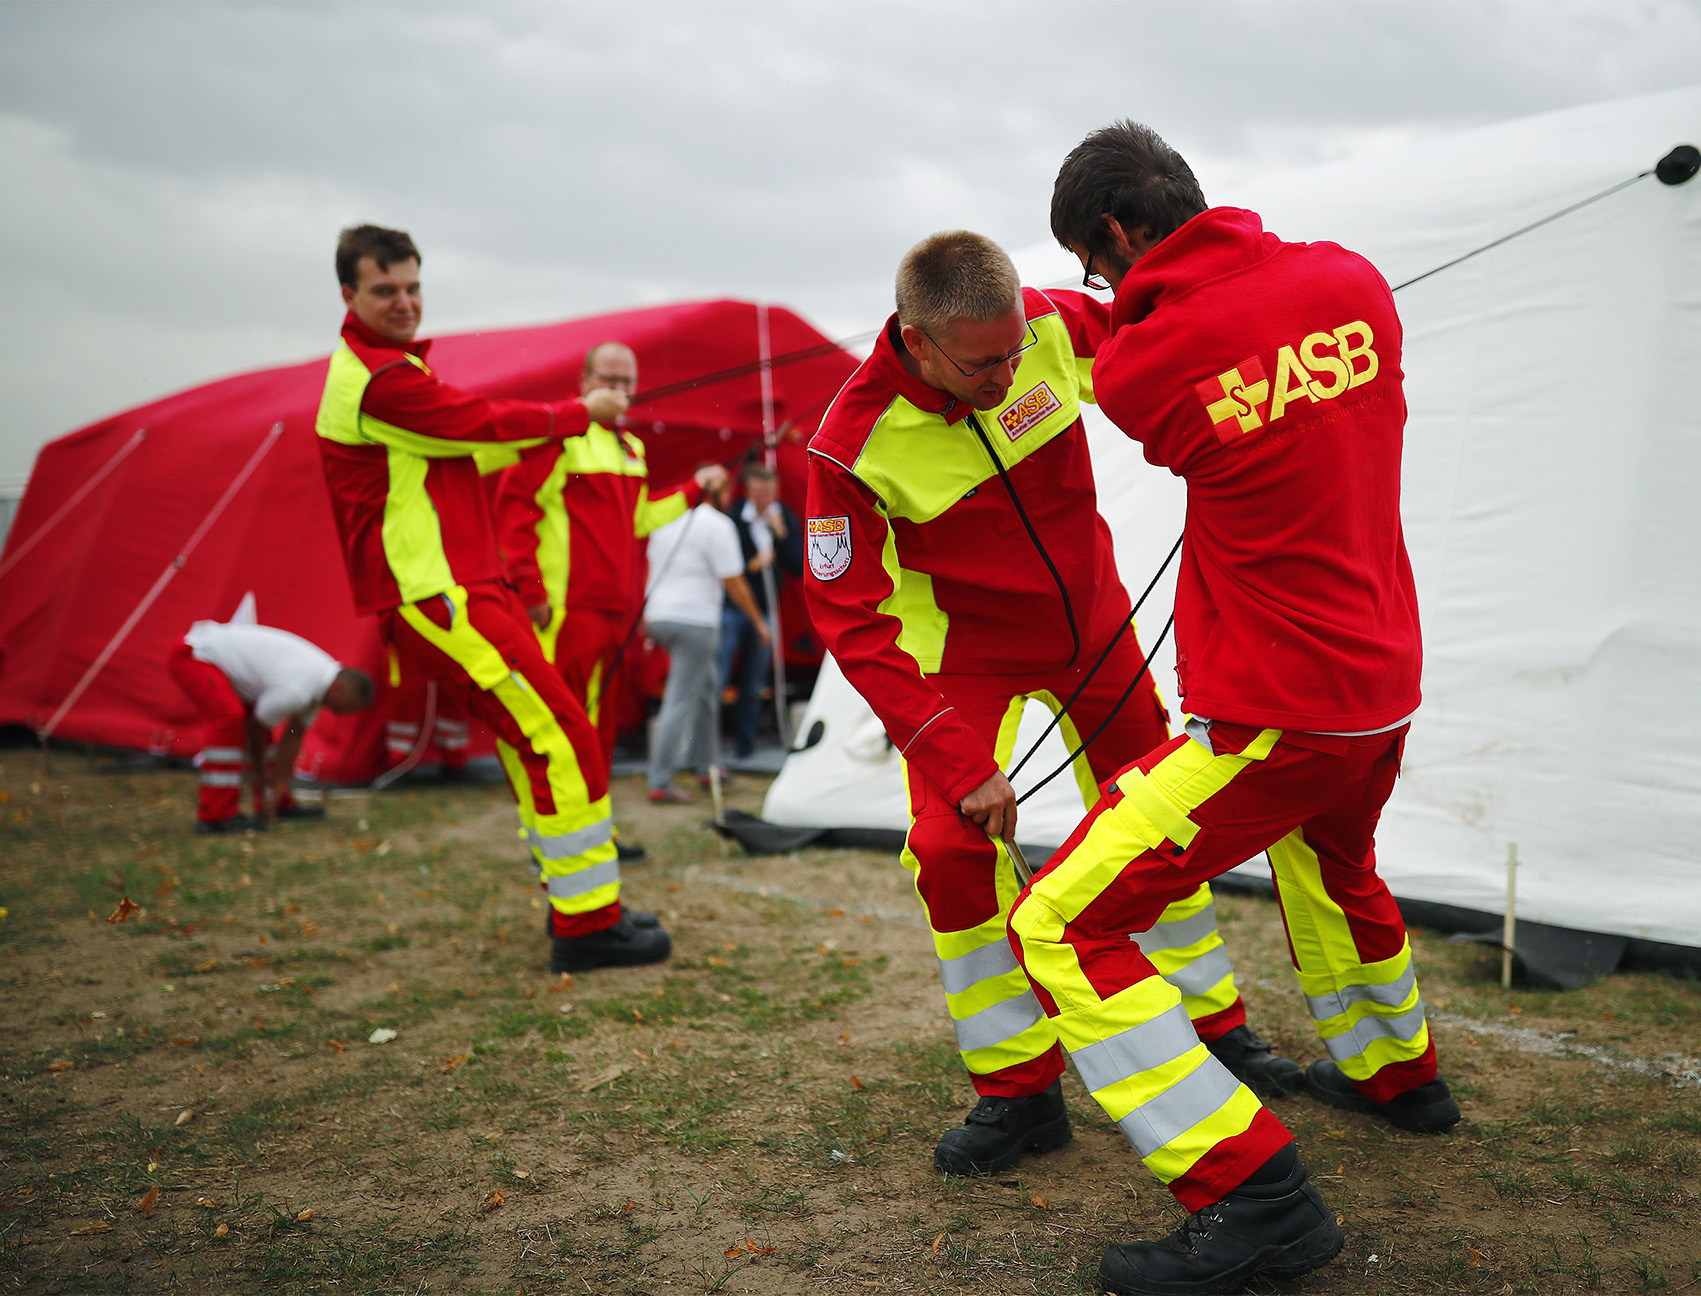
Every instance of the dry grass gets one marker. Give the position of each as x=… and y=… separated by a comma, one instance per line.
x=755, y=1116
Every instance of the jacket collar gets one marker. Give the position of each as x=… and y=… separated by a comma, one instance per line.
x=355, y=331
x=1217, y=242
x=886, y=363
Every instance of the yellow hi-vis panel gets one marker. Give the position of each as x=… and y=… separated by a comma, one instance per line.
x=919, y=465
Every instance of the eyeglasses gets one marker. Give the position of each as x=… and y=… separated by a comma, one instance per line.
x=991, y=364
x=1091, y=280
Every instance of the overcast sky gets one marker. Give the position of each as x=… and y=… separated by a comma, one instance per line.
x=172, y=176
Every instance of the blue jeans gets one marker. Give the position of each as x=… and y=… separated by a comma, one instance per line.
x=738, y=639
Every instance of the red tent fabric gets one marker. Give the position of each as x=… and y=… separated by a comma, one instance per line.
x=120, y=541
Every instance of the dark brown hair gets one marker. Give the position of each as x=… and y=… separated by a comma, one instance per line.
x=1125, y=171
x=384, y=246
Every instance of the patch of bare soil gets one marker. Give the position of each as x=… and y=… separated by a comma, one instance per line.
x=205, y=1097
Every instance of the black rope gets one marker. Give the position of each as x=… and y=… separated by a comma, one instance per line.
x=1127, y=693
x=1109, y=715
x=1003, y=476
x=1087, y=678
x=1506, y=238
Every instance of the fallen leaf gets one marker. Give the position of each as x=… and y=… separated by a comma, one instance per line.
x=304, y=1216
x=184, y=1117
x=600, y=1078
x=337, y=1045
x=631, y=1206
x=449, y=1064
x=209, y=1202
x=840, y=913
x=152, y=1166
x=126, y=907
x=564, y=985
x=383, y=1035
x=186, y=1043
x=756, y=1250
x=221, y=1230
x=522, y=1174
x=99, y=1226
x=732, y=1253
x=857, y=1084
x=60, y=1066
x=149, y=1200
x=495, y=1200
x=936, y=1242
x=24, y=1192
x=1040, y=1202
x=208, y=966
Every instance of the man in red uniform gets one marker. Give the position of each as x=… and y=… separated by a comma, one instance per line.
x=398, y=447
x=1267, y=376
x=958, y=567
x=569, y=516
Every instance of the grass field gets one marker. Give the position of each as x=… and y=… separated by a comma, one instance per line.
x=193, y=1102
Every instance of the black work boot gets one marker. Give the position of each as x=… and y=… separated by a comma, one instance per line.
x=235, y=824
x=1428, y=1109
x=628, y=943
x=1256, y=1065
x=995, y=1134
x=637, y=917
x=1278, y=1228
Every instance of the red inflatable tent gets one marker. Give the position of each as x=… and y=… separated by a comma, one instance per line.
x=142, y=523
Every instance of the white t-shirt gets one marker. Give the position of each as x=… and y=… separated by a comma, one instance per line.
x=278, y=673
x=690, y=557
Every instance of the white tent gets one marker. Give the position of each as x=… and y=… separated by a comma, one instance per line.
x=1552, y=476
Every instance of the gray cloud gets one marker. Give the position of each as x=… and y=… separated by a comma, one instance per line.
x=176, y=172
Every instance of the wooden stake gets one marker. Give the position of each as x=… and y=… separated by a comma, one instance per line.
x=720, y=805
x=1509, y=931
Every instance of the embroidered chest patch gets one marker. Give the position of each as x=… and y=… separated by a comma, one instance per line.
x=829, y=547
x=1029, y=412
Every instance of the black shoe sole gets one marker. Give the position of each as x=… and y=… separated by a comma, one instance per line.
x=1324, y=1243
x=1433, y=1118
x=1046, y=1138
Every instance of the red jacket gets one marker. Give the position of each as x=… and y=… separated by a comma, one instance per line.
x=397, y=444
x=569, y=517
x=1267, y=375
x=920, y=561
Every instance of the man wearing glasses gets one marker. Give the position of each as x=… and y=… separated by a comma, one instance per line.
x=569, y=517
x=958, y=566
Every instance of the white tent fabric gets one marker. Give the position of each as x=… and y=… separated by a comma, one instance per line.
x=1552, y=469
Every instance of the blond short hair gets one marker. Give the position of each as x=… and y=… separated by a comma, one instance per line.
x=955, y=275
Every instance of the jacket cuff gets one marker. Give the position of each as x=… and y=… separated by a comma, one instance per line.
x=569, y=418
x=952, y=756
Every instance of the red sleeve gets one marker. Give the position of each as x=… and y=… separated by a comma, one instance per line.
x=405, y=396
x=1131, y=398
x=845, y=589
x=1086, y=318
x=517, y=516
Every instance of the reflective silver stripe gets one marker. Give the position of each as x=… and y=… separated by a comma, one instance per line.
x=214, y=779
x=1202, y=973
x=452, y=726
x=1391, y=995
x=584, y=881
x=966, y=970
x=1002, y=1021
x=1179, y=1108
x=567, y=845
x=1173, y=935
x=1367, y=1030
x=221, y=754
x=396, y=727
x=1140, y=1048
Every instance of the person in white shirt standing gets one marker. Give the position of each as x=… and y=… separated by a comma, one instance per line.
x=695, y=561
x=248, y=680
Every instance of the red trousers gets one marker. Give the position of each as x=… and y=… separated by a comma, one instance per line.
x=967, y=885
x=224, y=743
x=478, y=642
x=585, y=646
x=1182, y=814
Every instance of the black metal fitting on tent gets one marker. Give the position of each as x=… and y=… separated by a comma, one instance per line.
x=1679, y=165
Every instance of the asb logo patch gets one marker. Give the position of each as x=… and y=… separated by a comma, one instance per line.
x=1235, y=399
x=1029, y=412
x=829, y=547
